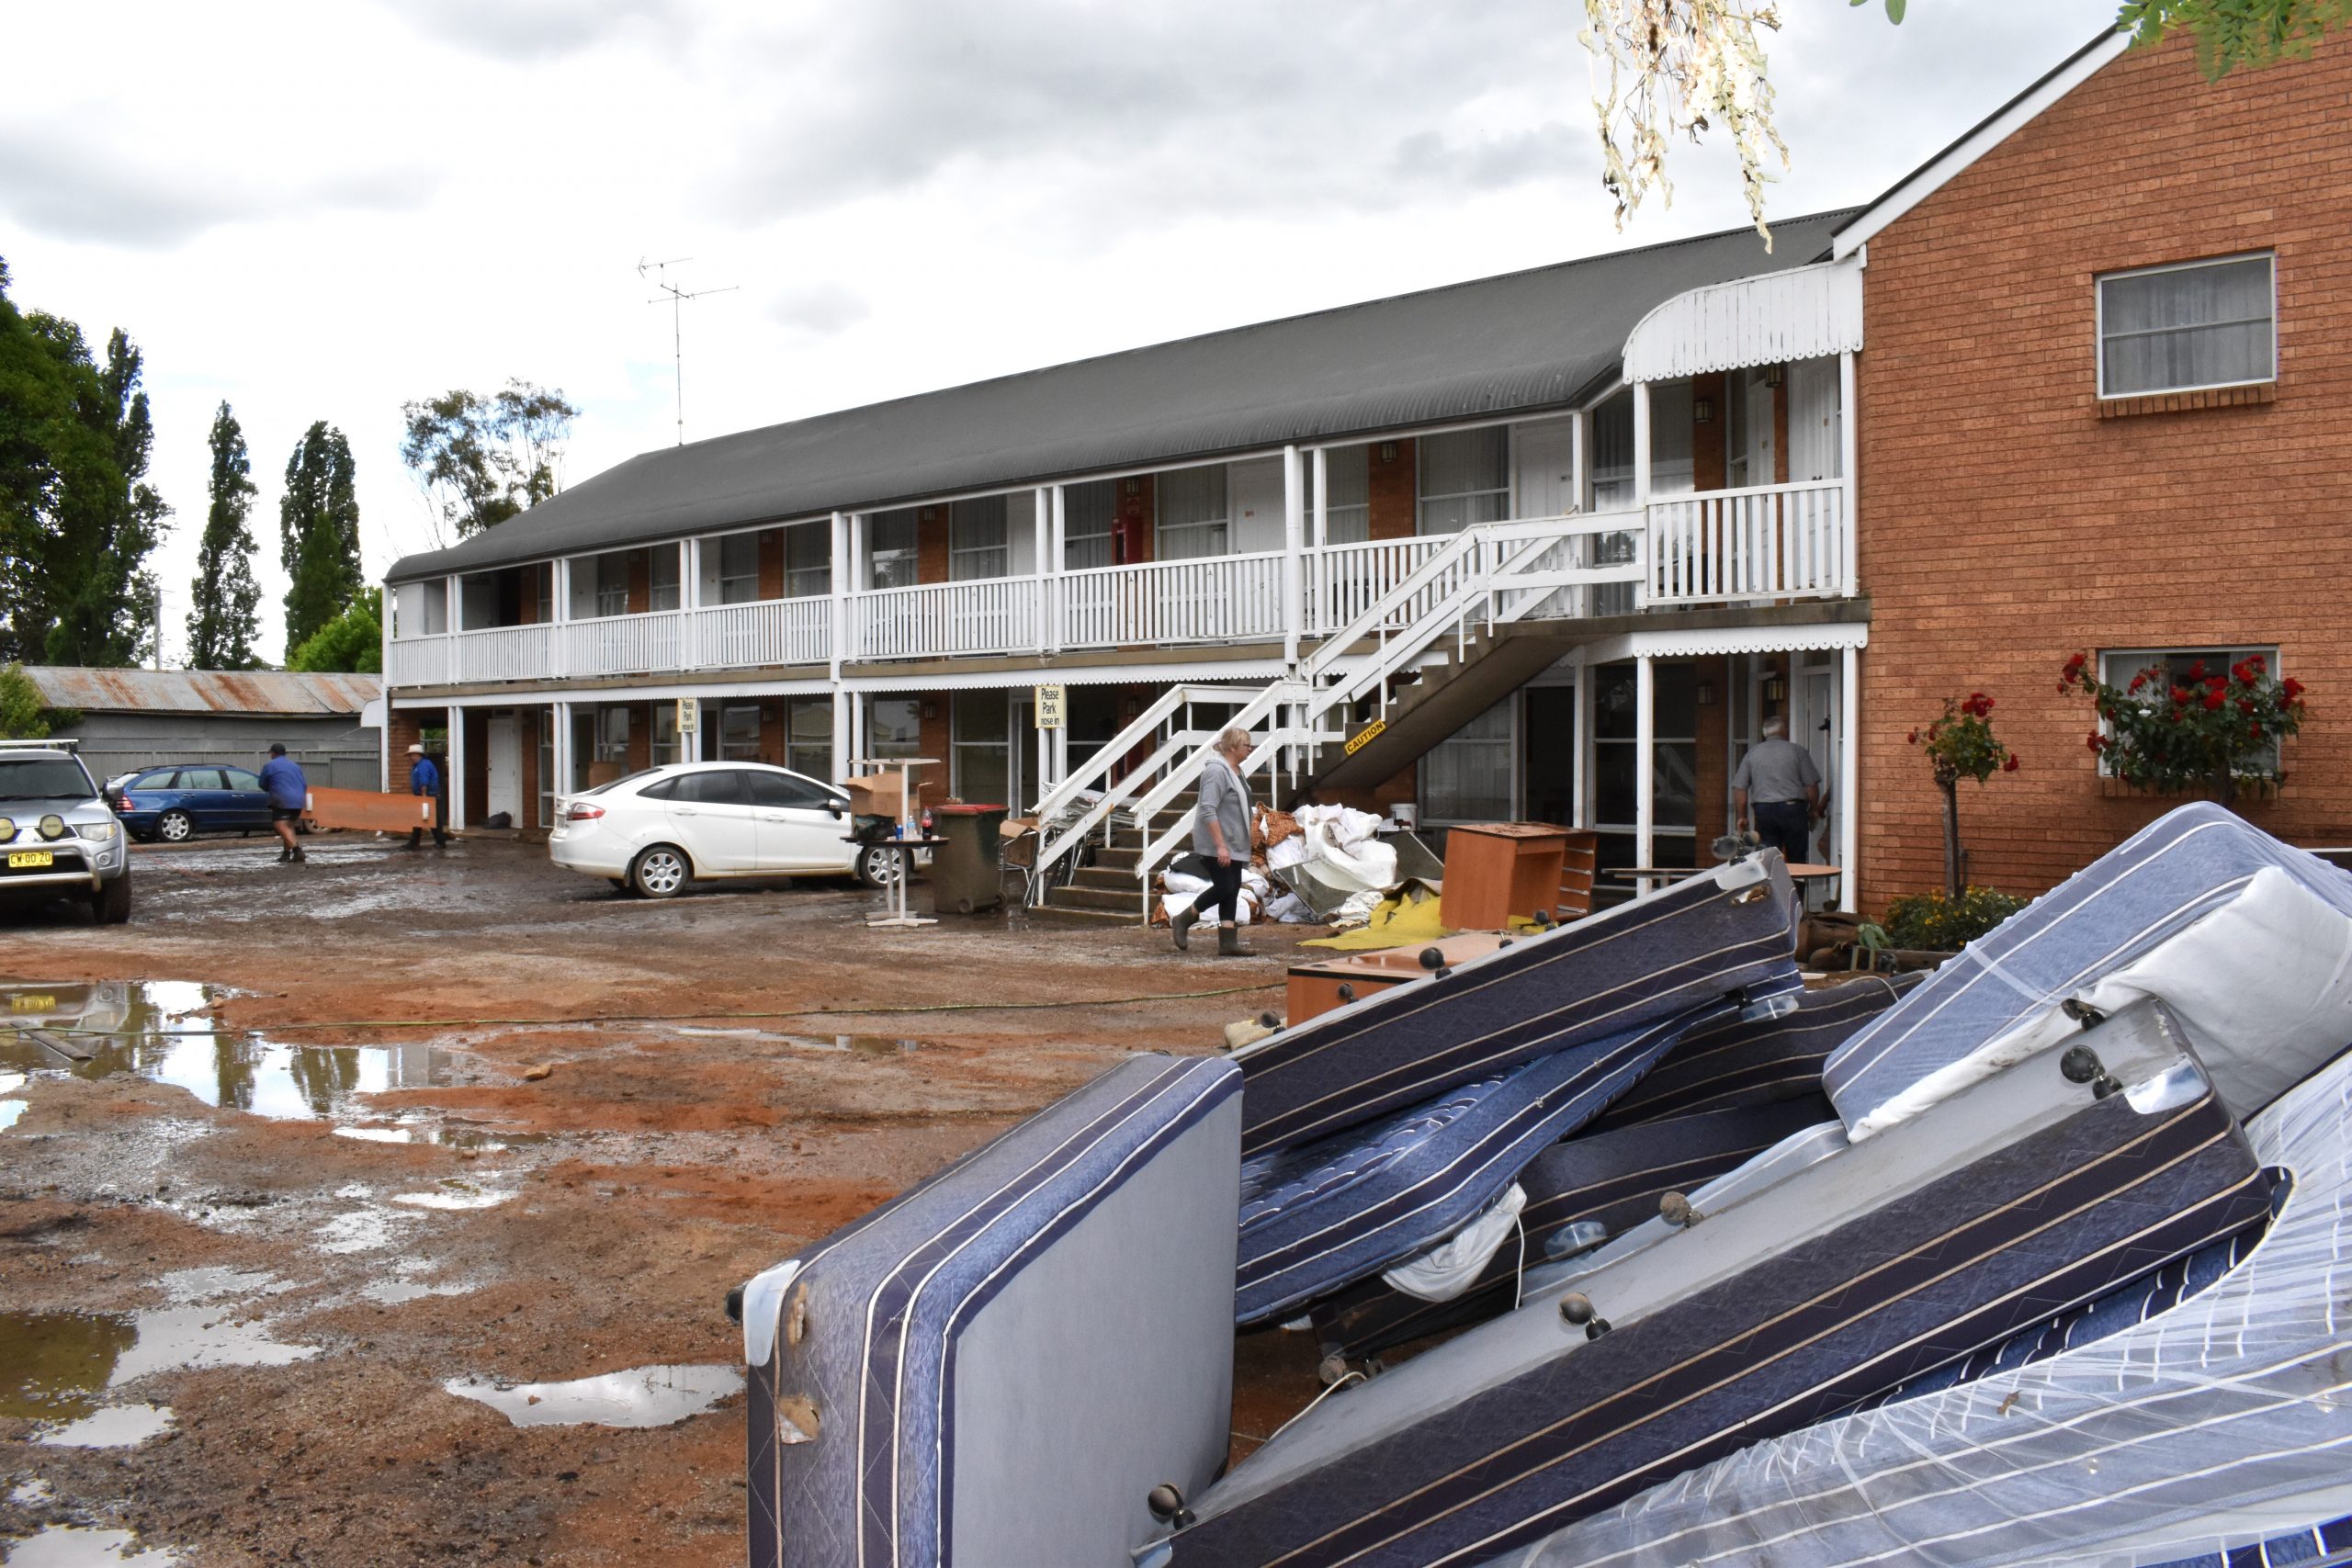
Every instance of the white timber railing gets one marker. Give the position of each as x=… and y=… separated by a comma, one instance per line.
x=500, y=653
x=994, y=615
x=1768, y=542
x=625, y=645
x=1209, y=599
x=761, y=632
x=1348, y=577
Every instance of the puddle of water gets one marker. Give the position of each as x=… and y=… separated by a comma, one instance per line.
x=363, y=1230
x=453, y=1199
x=446, y=1134
x=116, y=1427
x=392, y=1292
x=71, y=1546
x=856, y=1044
x=186, y=1285
x=159, y=1030
x=9, y=1111
x=643, y=1396
x=57, y=1365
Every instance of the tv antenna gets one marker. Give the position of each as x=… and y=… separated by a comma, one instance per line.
x=678, y=297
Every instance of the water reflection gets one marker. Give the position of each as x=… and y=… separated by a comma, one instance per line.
x=161, y=1030
x=643, y=1396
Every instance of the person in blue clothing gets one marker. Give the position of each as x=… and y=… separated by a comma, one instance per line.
x=425, y=779
x=290, y=792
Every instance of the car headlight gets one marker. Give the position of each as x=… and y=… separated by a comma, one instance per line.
x=52, y=826
x=97, y=832
x=7, y=830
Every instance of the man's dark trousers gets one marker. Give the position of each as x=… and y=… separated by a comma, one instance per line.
x=1782, y=825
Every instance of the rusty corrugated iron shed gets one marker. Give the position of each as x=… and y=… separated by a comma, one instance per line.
x=273, y=694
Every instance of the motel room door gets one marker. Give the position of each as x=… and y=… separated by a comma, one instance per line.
x=1817, y=723
x=505, y=767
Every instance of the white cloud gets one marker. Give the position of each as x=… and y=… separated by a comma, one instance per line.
x=321, y=212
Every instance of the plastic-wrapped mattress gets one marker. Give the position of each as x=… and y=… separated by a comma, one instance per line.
x=998, y=1365
x=1684, y=948
x=2023, y=1195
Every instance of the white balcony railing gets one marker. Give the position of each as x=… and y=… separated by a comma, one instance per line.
x=995, y=614
x=1771, y=542
x=1210, y=599
x=1718, y=546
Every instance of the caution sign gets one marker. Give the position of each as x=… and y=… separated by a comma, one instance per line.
x=1049, y=707
x=1365, y=737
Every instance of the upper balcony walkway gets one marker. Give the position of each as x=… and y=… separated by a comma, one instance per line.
x=1718, y=547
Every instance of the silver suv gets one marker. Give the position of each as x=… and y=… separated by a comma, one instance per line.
x=57, y=834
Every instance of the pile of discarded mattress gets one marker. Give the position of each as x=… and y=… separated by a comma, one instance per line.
x=2029, y=1259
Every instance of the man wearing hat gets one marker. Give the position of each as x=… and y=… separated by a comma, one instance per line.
x=425, y=779
x=281, y=777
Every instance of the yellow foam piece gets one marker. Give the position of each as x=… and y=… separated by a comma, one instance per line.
x=1398, y=922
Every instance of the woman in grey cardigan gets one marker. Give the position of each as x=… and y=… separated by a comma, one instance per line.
x=1220, y=845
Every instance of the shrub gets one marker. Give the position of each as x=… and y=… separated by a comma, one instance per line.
x=1941, y=922
x=2211, y=728
x=1960, y=745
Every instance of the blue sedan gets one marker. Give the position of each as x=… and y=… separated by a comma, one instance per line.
x=174, y=804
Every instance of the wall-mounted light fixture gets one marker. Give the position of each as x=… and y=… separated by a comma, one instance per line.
x=1388, y=451
x=1705, y=695
x=1134, y=487
x=1773, y=375
x=930, y=514
x=931, y=710
x=1703, y=411
x=1776, y=690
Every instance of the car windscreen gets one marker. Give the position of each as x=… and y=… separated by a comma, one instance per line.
x=44, y=778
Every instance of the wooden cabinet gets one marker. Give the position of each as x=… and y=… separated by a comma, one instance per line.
x=1497, y=870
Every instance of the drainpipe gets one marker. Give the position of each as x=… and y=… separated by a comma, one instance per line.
x=1849, y=778
x=1850, y=461
x=1294, y=559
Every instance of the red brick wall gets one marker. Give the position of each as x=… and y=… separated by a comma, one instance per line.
x=407, y=726
x=1712, y=771
x=640, y=583
x=931, y=544
x=476, y=779
x=771, y=563
x=640, y=736
x=1707, y=466
x=1394, y=493
x=1137, y=522
x=2006, y=524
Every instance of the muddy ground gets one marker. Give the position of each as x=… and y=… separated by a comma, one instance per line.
x=248, y=1265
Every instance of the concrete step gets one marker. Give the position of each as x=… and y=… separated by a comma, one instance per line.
x=1064, y=915
x=1108, y=879
x=1128, y=902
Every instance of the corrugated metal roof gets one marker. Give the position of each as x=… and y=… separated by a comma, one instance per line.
x=1520, y=342
x=274, y=692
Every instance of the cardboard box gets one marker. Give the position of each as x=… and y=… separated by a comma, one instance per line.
x=878, y=794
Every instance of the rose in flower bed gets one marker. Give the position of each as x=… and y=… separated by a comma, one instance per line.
x=1960, y=745
x=2206, y=728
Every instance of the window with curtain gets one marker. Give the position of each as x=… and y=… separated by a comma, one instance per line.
x=611, y=734
x=612, y=583
x=981, y=728
x=1347, y=515
x=666, y=746
x=543, y=584
x=975, y=540
x=739, y=732
x=738, y=568
x=809, y=736
x=808, y=560
x=1613, y=490
x=1194, y=517
x=2165, y=668
x=1466, y=776
x=1464, y=478
x=2176, y=329
x=1087, y=511
x=894, y=727
x=666, y=576
x=890, y=548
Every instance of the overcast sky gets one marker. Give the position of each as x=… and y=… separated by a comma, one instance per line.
x=321, y=211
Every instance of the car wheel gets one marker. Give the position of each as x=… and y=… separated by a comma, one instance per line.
x=175, y=828
x=874, y=864
x=110, y=905
x=660, y=871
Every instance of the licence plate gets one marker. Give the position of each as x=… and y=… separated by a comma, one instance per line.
x=32, y=1004
x=21, y=860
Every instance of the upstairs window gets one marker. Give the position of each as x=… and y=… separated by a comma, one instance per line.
x=808, y=560
x=1087, y=511
x=665, y=577
x=738, y=568
x=975, y=540
x=2188, y=328
x=1347, y=511
x=1466, y=479
x=1194, y=516
x=890, y=548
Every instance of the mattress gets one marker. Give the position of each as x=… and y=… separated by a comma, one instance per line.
x=957, y=1376
x=2011, y=1201
x=2246, y=940
x=1317, y=1217
x=2211, y=1428
x=1613, y=1179
x=1755, y=1061
x=1725, y=933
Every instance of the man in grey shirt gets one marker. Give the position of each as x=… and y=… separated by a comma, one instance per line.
x=1220, y=845
x=1779, y=775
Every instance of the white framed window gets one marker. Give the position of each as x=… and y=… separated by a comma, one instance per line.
x=611, y=734
x=666, y=745
x=809, y=736
x=739, y=732
x=980, y=731
x=1464, y=478
x=1466, y=776
x=543, y=590
x=975, y=540
x=1196, y=518
x=612, y=583
x=738, y=568
x=890, y=548
x=1347, y=516
x=2189, y=327
x=546, y=725
x=667, y=575
x=1087, y=513
x=808, y=560
x=894, y=727
x=2159, y=669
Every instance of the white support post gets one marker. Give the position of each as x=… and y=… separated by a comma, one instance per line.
x=1849, y=796
x=1042, y=520
x=1294, y=557
x=849, y=582
x=1850, y=461
x=560, y=612
x=690, y=600
x=842, y=545
x=1647, y=546
x=1581, y=813
x=560, y=760
x=1579, y=488
x=1047, y=778
x=456, y=781
x=1645, y=762
x=844, y=732
x=384, y=662
x=1057, y=554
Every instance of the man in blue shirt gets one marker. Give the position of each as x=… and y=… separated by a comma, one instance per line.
x=290, y=792
x=425, y=779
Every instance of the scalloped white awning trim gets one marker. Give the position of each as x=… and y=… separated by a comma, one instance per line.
x=1805, y=314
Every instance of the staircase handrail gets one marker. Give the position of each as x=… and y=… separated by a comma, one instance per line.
x=1276, y=739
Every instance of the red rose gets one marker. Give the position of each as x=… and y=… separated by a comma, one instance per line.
x=2075, y=665
x=2011, y=765
x=2291, y=688
x=2259, y=664
x=2140, y=680
x=1915, y=737
x=2213, y=699
x=2253, y=731
x=2245, y=705
x=2098, y=742
x=2180, y=694
x=2197, y=671
x=2242, y=672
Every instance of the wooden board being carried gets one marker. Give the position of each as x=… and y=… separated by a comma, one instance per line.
x=369, y=810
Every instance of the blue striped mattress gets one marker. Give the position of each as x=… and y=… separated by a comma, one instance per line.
x=959, y=1375
x=2006, y=1205
x=2211, y=1426
x=1659, y=957
x=2242, y=936
x=1318, y=1216
x=1612, y=1179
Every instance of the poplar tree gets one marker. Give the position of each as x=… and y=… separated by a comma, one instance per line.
x=319, y=532
x=226, y=620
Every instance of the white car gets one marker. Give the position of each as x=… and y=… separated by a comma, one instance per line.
x=654, y=831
